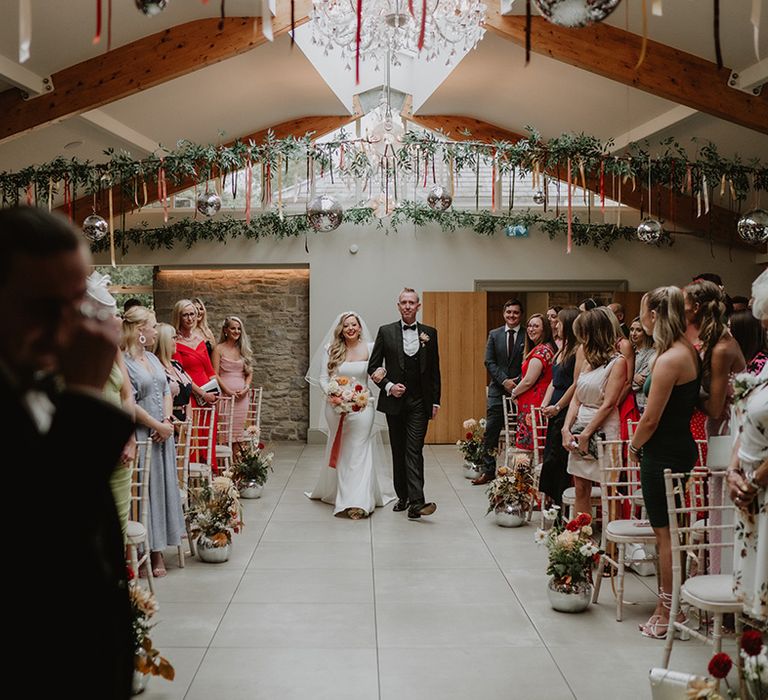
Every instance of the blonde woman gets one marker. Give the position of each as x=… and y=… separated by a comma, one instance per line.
x=153, y=419
x=663, y=437
x=644, y=354
x=179, y=382
x=202, y=325
x=357, y=483
x=233, y=364
x=593, y=411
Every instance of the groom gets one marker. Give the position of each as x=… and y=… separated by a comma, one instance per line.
x=410, y=397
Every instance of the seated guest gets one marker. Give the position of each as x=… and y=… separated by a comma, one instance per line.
x=644, y=354
x=179, y=381
x=593, y=409
x=537, y=374
x=750, y=335
x=554, y=478
x=663, y=437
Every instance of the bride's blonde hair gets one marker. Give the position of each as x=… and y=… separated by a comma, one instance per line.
x=337, y=351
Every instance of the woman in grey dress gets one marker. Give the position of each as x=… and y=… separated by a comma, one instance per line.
x=153, y=420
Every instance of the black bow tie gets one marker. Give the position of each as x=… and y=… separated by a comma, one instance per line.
x=409, y=328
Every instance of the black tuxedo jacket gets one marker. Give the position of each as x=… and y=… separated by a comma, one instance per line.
x=388, y=352
x=70, y=542
x=500, y=364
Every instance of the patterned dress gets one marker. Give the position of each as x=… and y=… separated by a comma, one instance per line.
x=533, y=397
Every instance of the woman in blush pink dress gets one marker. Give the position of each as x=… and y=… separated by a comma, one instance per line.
x=233, y=363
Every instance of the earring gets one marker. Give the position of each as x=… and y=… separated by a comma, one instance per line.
x=142, y=338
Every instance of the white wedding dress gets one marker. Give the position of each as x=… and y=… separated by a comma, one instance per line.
x=360, y=479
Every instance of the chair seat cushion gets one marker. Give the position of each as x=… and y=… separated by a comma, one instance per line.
x=223, y=451
x=135, y=531
x=710, y=588
x=198, y=468
x=630, y=528
x=569, y=495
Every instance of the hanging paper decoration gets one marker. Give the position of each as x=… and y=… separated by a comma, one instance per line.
x=95, y=227
x=324, y=213
x=718, y=48
x=439, y=198
x=753, y=226
x=25, y=29
x=208, y=203
x=754, y=19
x=649, y=230
x=151, y=7
x=575, y=13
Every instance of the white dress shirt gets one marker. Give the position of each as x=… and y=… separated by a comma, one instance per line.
x=410, y=340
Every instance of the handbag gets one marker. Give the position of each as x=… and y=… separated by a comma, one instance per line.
x=592, y=447
x=670, y=685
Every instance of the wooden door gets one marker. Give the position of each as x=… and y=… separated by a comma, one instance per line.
x=460, y=320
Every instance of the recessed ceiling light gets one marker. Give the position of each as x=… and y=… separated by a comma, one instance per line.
x=72, y=145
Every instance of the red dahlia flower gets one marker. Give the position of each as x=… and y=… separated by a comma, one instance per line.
x=720, y=665
x=752, y=642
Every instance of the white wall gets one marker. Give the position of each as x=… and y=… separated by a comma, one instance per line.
x=429, y=259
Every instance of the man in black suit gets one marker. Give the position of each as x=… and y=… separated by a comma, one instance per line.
x=410, y=397
x=618, y=311
x=55, y=357
x=504, y=361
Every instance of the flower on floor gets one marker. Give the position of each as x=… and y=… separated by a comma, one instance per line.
x=215, y=511
x=472, y=444
x=540, y=536
x=512, y=487
x=147, y=659
x=753, y=671
x=252, y=463
x=571, y=551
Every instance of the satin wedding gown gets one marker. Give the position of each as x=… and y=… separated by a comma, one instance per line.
x=359, y=479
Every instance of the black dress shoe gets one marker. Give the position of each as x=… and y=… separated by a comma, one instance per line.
x=401, y=505
x=415, y=512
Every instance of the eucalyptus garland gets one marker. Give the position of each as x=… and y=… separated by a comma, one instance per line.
x=353, y=158
x=189, y=232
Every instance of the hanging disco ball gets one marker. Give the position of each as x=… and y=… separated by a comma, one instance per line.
x=151, y=7
x=575, y=13
x=439, y=198
x=649, y=230
x=324, y=213
x=95, y=227
x=538, y=197
x=208, y=203
x=753, y=226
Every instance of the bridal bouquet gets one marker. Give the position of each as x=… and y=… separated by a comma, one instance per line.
x=347, y=396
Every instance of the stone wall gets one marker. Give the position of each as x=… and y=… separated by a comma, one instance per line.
x=274, y=306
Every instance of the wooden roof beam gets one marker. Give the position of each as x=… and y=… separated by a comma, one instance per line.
x=139, y=65
x=720, y=223
x=666, y=72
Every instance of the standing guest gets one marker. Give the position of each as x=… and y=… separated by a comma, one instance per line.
x=233, y=364
x=593, y=411
x=504, y=360
x=48, y=330
x=718, y=282
x=721, y=355
x=554, y=478
x=663, y=438
x=626, y=403
x=179, y=382
x=644, y=354
x=750, y=335
x=588, y=304
x=130, y=303
x=748, y=483
x=618, y=310
x=154, y=421
x=552, y=312
x=537, y=374
x=192, y=354
x=739, y=304
x=202, y=325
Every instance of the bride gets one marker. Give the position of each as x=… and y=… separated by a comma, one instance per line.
x=358, y=482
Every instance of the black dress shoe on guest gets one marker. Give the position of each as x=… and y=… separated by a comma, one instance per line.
x=415, y=512
x=401, y=505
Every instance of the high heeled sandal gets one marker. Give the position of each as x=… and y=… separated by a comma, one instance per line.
x=655, y=629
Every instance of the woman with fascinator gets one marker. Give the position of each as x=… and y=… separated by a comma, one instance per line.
x=352, y=477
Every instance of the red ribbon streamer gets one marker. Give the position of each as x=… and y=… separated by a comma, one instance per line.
x=410, y=8
x=336, y=447
x=248, y=190
x=357, y=40
x=423, y=24
x=97, y=35
x=602, y=186
x=109, y=25
x=162, y=193
x=67, y=198
x=570, y=211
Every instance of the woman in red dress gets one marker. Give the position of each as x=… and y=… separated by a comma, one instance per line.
x=192, y=354
x=536, y=375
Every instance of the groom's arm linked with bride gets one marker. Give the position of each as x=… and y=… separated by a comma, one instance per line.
x=410, y=397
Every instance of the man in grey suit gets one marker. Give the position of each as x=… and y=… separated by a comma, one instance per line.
x=504, y=361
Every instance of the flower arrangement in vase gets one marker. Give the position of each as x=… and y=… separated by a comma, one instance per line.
x=147, y=659
x=471, y=447
x=753, y=678
x=251, y=469
x=511, y=493
x=214, y=515
x=571, y=555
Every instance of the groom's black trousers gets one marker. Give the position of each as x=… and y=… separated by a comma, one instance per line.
x=406, y=436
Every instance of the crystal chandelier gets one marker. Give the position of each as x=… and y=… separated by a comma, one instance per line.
x=397, y=27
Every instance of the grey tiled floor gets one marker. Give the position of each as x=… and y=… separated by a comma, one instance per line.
x=451, y=607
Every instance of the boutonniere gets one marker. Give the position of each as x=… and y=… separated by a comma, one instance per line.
x=424, y=338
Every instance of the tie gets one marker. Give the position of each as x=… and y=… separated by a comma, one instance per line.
x=510, y=342
x=409, y=328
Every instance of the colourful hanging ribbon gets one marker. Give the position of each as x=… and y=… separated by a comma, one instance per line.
x=718, y=47
x=25, y=29
x=357, y=40
x=423, y=29
x=111, y=230
x=602, y=186
x=754, y=19
x=97, y=35
x=248, y=189
x=570, y=211
x=644, y=45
